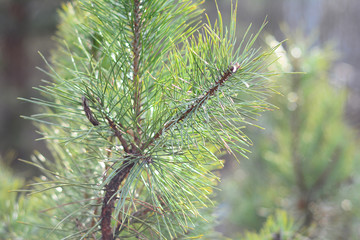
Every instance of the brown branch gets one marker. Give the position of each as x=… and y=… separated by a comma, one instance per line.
x=118, y=134
x=95, y=122
x=112, y=187
x=196, y=104
x=88, y=112
x=109, y=199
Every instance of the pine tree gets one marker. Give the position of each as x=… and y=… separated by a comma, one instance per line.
x=142, y=98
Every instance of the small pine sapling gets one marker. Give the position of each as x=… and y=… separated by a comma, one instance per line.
x=142, y=98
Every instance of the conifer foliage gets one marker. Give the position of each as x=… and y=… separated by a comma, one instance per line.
x=142, y=97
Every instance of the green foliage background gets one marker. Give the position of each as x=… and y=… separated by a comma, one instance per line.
x=305, y=164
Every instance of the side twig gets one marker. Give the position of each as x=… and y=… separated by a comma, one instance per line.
x=196, y=104
x=118, y=134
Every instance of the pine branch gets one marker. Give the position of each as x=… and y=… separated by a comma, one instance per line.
x=196, y=105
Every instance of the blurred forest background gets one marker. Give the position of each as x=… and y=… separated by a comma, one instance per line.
x=304, y=162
